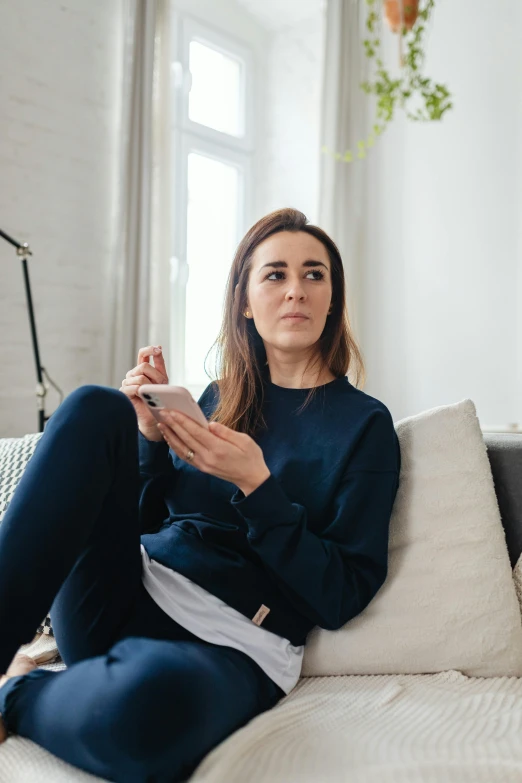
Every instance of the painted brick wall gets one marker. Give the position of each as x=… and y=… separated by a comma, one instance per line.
x=59, y=113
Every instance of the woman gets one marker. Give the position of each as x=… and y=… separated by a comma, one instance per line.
x=184, y=567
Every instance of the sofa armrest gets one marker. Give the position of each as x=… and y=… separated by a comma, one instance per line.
x=505, y=458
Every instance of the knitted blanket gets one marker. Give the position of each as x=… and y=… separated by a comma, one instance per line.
x=436, y=728
x=442, y=728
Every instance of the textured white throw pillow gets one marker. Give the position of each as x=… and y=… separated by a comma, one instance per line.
x=449, y=600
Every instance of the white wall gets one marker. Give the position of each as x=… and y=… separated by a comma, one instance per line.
x=443, y=268
x=59, y=99
x=291, y=150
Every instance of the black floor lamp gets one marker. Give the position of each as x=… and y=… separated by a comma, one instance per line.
x=23, y=251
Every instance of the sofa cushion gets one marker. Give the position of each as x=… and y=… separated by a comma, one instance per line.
x=449, y=600
x=439, y=728
x=15, y=453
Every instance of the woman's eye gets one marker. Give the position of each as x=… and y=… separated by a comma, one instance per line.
x=313, y=272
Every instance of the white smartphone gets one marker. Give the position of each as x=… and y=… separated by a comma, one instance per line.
x=160, y=396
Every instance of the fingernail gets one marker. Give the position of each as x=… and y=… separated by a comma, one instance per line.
x=157, y=350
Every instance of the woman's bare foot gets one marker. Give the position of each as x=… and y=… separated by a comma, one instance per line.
x=21, y=664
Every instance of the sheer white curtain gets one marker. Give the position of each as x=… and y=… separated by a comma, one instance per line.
x=138, y=279
x=343, y=123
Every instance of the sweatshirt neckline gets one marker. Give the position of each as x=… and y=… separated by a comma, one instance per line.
x=343, y=380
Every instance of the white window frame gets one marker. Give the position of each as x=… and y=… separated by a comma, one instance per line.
x=186, y=137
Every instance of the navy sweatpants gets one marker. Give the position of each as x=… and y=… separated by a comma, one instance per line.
x=142, y=699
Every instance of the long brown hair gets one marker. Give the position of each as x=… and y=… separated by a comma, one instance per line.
x=241, y=352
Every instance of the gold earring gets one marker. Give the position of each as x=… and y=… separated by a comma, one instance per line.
x=247, y=313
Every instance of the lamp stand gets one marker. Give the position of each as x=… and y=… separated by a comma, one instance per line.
x=23, y=250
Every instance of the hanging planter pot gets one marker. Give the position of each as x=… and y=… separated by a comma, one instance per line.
x=401, y=14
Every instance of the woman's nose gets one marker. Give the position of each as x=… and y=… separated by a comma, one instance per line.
x=295, y=290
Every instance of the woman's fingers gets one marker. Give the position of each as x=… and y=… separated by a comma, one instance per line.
x=159, y=364
x=130, y=391
x=144, y=355
x=148, y=372
x=135, y=380
x=178, y=446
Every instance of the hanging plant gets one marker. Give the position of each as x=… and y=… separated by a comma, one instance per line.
x=421, y=98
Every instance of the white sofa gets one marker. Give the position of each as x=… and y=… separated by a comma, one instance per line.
x=397, y=727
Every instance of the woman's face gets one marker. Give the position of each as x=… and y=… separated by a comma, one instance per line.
x=290, y=271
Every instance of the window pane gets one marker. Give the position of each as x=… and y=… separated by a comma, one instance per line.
x=215, y=96
x=212, y=236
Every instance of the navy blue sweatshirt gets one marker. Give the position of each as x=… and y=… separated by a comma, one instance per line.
x=311, y=542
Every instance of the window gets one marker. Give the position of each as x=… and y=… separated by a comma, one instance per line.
x=216, y=92
x=212, y=145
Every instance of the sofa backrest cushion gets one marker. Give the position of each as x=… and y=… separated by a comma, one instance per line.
x=449, y=600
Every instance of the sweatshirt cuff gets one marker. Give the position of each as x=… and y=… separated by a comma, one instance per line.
x=267, y=506
x=153, y=454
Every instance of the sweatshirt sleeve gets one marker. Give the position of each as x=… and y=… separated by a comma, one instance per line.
x=156, y=470
x=330, y=578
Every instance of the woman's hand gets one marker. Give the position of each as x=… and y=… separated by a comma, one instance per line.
x=222, y=452
x=144, y=373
